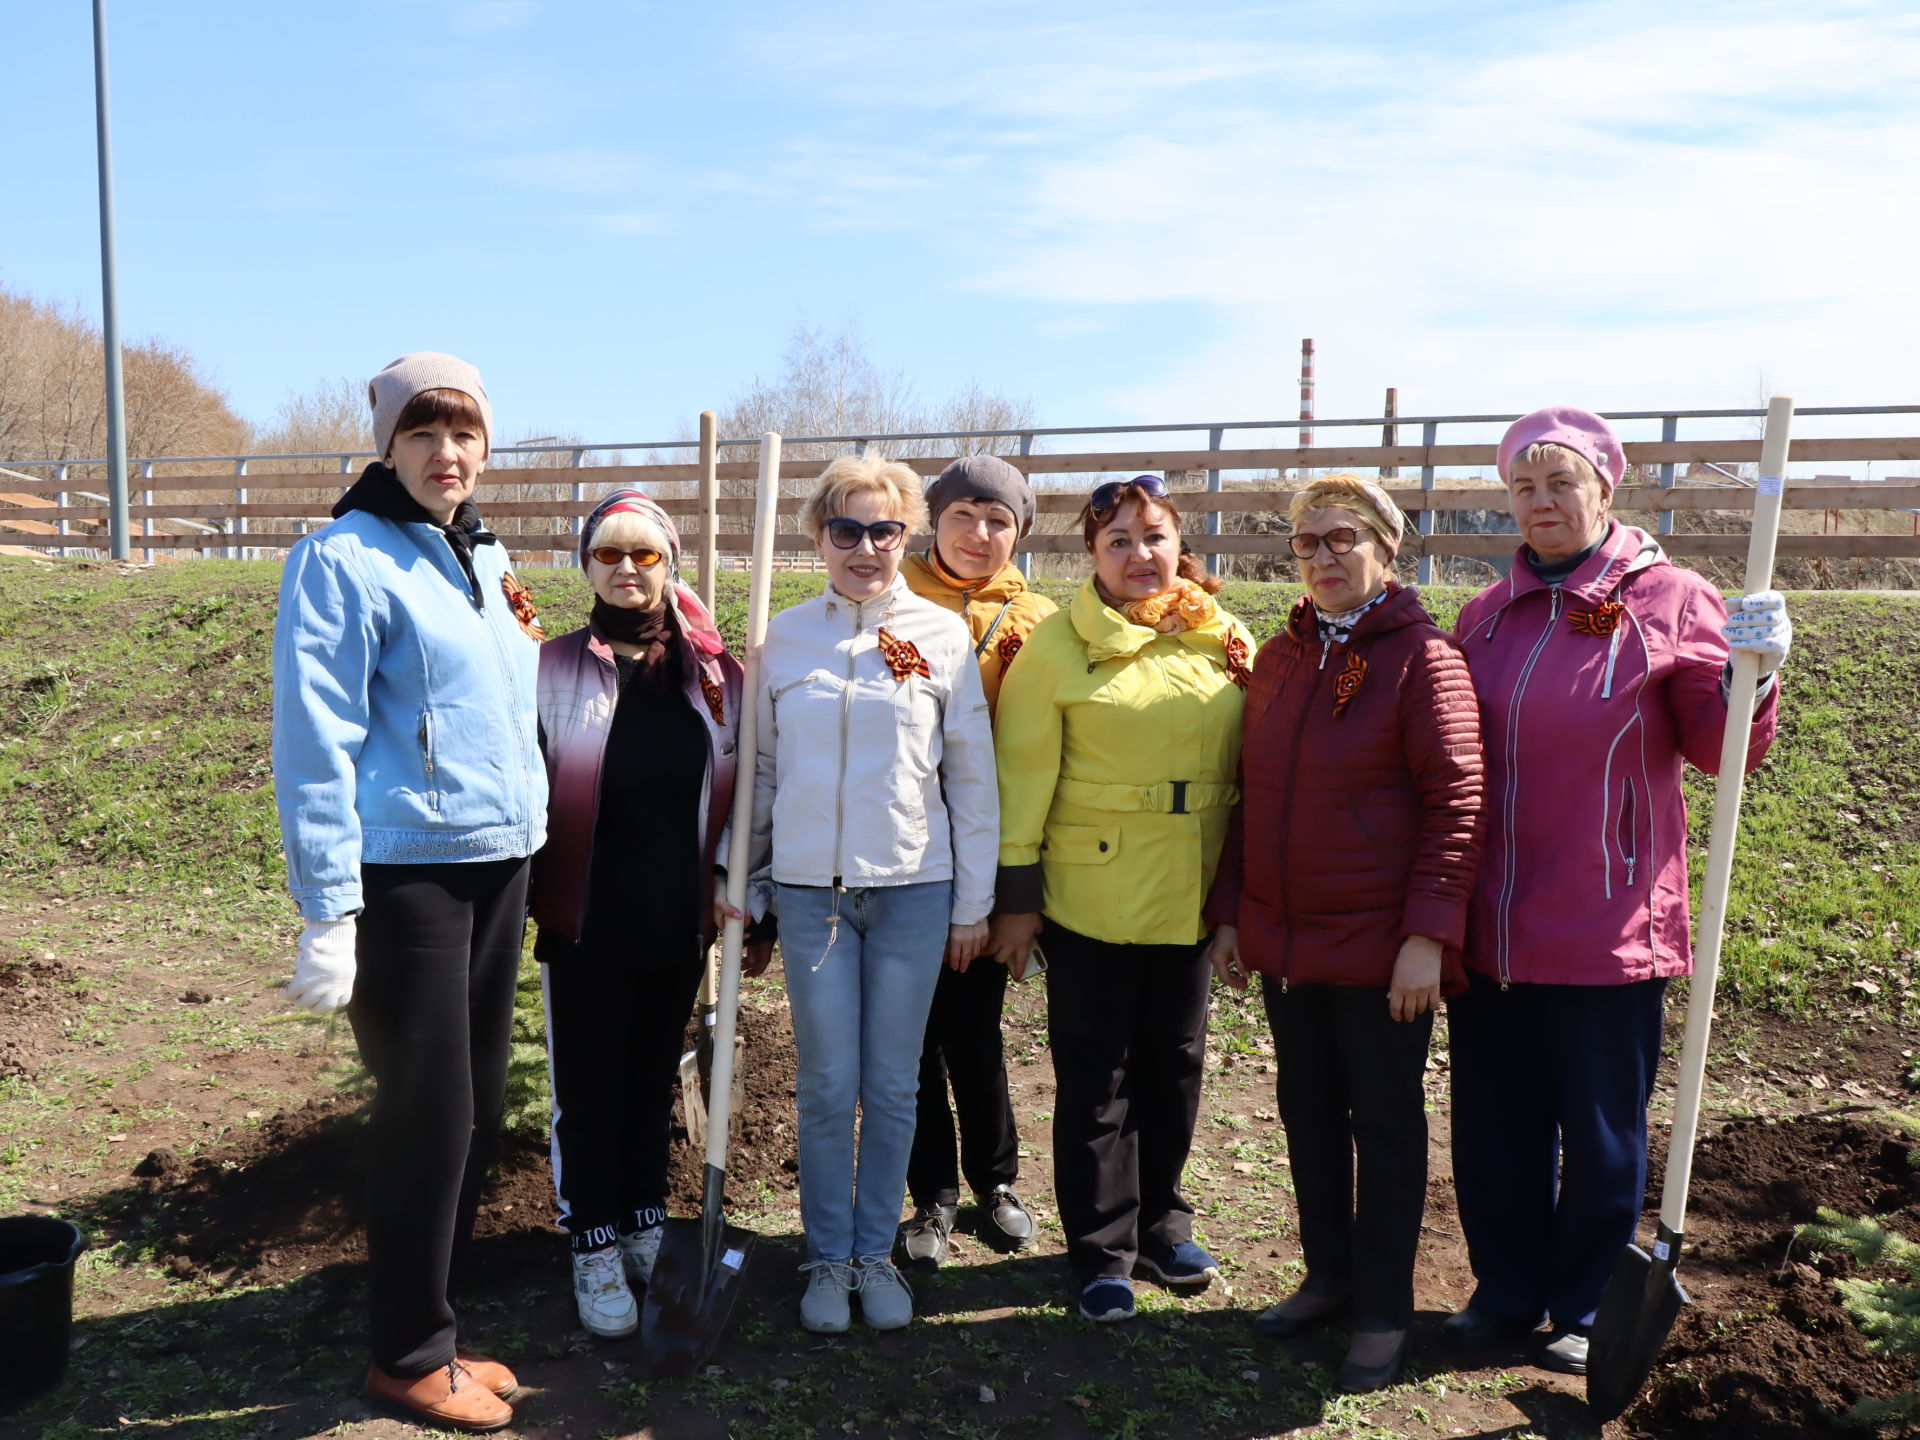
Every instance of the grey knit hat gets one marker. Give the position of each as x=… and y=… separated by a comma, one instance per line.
x=982, y=477
x=411, y=375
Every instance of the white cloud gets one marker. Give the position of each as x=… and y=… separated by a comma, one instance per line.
x=492, y=15
x=1636, y=205
x=576, y=170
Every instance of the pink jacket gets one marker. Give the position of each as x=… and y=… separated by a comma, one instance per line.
x=1592, y=693
x=578, y=689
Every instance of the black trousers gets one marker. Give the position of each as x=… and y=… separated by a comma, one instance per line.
x=1550, y=1092
x=1350, y=1085
x=614, y=1032
x=963, y=1046
x=1128, y=1029
x=432, y=1010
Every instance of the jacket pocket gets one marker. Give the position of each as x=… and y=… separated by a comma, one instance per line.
x=432, y=787
x=1081, y=844
x=1626, y=829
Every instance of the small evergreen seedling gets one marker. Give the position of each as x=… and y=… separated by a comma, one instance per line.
x=1887, y=1309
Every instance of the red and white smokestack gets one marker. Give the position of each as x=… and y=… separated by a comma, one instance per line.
x=1306, y=393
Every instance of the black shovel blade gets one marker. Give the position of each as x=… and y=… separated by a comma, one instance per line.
x=695, y=1282
x=1642, y=1299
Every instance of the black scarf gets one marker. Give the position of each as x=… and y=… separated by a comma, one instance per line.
x=652, y=630
x=1552, y=572
x=378, y=491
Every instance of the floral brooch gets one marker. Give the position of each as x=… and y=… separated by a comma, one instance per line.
x=903, y=657
x=1347, y=683
x=1009, y=647
x=716, y=701
x=1602, y=620
x=520, y=602
x=1238, y=670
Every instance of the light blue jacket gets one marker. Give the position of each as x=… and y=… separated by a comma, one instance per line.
x=404, y=722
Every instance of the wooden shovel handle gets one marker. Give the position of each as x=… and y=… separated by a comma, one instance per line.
x=1729, y=786
x=746, y=765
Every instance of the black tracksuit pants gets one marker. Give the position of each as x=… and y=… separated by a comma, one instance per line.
x=963, y=1046
x=1128, y=1031
x=1350, y=1085
x=432, y=1010
x=614, y=1034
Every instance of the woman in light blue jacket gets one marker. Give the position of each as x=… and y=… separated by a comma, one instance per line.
x=411, y=795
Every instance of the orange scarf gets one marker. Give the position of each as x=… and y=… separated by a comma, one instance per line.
x=1183, y=607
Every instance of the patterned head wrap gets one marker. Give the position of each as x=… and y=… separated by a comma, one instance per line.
x=629, y=501
x=1347, y=491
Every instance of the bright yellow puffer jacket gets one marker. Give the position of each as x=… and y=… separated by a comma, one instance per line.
x=1118, y=750
x=1000, y=611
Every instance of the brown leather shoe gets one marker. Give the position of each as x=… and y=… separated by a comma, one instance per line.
x=450, y=1397
x=489, y=1372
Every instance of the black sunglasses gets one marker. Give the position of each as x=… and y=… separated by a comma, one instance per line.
x=1105, y=497
x=846, y=534
x=1340, y=542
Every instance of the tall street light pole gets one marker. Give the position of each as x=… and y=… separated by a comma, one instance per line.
x=121, y=530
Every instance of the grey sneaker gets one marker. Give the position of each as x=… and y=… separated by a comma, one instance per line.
x=600, y=1294
x=885, y=1301
x=639, y=1251
x=1009, y=1224
x=923, y=1239
x=1565, y=1351
x=824, y=1308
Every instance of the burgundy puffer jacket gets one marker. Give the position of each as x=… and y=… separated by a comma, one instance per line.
x=1360, y=815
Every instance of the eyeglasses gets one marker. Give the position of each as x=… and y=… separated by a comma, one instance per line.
x=847, y=534
x=1105, y=497
x=644, y=558
x=1340, y=541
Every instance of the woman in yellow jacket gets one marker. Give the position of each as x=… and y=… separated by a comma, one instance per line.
x=1118, y=744
x=980, y=506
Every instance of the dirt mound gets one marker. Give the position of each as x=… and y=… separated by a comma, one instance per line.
x=1765, y=1352
x=285, y=1199
x=31, y=993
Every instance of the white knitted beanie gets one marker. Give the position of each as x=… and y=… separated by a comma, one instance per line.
x=411, y=375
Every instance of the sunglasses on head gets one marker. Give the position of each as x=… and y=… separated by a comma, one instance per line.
x=1340, y=542
x=1105, y=497
x=644, y=558
x=846, y=534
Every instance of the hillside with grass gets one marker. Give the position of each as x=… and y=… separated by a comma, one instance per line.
x=135, y=760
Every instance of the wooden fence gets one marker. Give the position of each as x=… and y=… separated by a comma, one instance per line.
x=43, y=515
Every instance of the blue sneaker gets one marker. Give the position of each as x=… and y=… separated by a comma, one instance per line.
x=1106, y=1300
x=1179, y=1267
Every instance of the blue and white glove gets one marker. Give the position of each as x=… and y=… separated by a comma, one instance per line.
x=323, y=972
x=1758, y=624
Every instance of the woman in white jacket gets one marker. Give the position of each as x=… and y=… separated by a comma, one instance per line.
x=876, y=832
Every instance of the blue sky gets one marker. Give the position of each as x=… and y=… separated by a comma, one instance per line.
x=1127, y=212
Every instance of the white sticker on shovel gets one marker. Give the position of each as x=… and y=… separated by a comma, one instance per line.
x=734, y=1259
x=1770, y=484
x=1661, y=1249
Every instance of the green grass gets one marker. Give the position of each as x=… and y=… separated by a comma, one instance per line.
x=134, y=760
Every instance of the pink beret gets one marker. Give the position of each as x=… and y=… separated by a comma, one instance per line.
x=1580, y=431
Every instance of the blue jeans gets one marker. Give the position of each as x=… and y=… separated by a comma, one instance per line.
x=859, y=1016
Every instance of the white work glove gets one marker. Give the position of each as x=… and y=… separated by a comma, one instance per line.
x=323, y=973
x=1758, y=623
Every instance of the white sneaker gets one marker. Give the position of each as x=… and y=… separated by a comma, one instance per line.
x=600, y=1291
x=885, y=1301
x=639, y=1251
x=824, y=1308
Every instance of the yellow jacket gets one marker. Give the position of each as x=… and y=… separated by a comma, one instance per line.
x=1118, y=750
x=1000, y=611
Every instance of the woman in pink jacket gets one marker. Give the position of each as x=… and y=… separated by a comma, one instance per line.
x=1601, y=668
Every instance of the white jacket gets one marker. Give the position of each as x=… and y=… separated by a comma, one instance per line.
x=864, y=778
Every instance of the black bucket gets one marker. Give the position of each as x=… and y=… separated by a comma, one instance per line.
x=36, y=1304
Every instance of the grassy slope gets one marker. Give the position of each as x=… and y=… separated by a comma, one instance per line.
x=134, y=760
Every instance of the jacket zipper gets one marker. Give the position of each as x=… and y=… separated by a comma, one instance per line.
x=840, y=783
x=1626, y=832
x=1286, y=817
x=1510, y=807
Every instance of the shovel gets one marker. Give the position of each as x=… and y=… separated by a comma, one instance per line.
x=696, y=1066
x=697, y=1277
x=1643, y=1294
